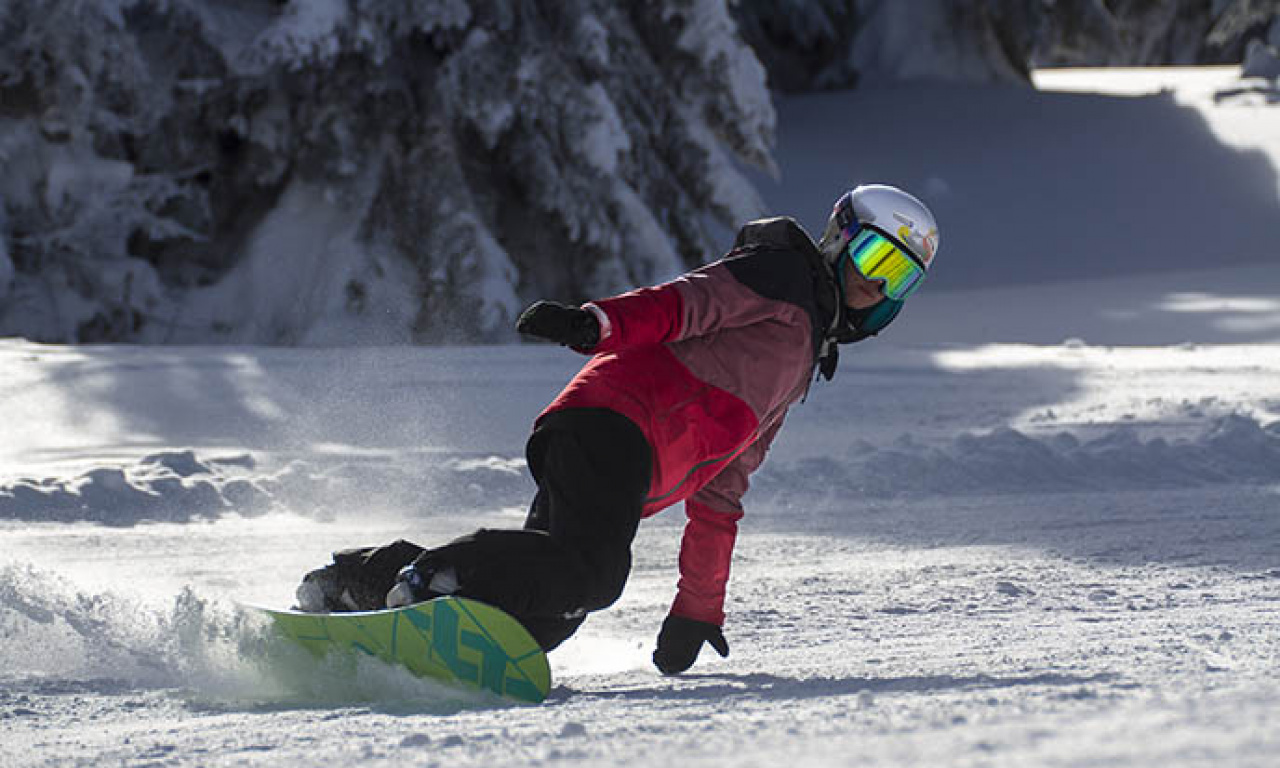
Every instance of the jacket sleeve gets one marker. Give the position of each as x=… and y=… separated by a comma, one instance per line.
x=710, y=533
x=695, y=304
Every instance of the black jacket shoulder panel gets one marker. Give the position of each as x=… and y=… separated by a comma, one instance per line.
x=778, y=260
x=781, y=232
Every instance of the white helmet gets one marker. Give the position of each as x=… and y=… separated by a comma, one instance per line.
x=899, y=217
x=889, y=210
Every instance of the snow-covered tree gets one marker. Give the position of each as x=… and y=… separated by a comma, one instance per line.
x=1153, y=32
x=822, y=44
x=169, y=163
x=307, y=171
x=828, y=44
x=74, y=86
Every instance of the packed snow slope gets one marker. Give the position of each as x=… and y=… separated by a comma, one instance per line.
x=1037, y=522
x=1141, y=206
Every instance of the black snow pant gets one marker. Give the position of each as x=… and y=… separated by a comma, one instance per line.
x=573, y=556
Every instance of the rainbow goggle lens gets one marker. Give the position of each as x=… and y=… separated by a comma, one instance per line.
x=879, y=258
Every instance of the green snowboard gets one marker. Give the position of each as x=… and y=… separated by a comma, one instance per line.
x=451, y=639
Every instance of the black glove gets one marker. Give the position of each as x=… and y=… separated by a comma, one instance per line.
x=681, y=639
x=570, y=326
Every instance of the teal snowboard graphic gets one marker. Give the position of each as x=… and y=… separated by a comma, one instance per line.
x=451, y=639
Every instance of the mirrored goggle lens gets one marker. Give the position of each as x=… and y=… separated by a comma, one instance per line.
x=878, y=258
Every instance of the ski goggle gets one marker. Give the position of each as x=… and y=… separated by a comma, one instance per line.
x=877, y=257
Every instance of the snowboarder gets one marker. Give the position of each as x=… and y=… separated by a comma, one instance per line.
x=688, y=384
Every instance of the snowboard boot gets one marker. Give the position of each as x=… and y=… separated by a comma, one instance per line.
x=331, y=590
x=415, y=584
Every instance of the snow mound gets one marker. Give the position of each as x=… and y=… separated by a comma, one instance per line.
x=171, y=486
x=1232, y=450
x=179, y=486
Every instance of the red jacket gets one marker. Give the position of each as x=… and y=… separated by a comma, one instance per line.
x=707, y=366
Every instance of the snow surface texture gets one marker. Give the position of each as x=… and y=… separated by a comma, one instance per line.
x=1064, y=551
